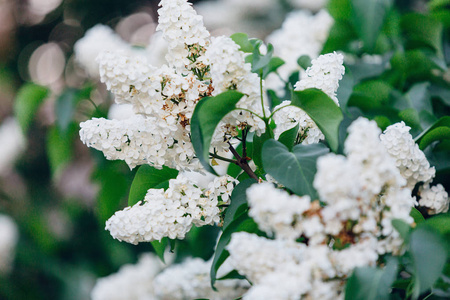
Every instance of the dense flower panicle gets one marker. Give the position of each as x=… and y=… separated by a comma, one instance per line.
x=255, y=256
x=96, y=40
x=13, y=144
x=191, y=280
x=171, y=213
x=140, y=140
x=9, y=236
x=133, y=282
x=184, y=31
x=290, y=43
x=229, y=71
x=411, y=161
x=324, y=74
x=434, y=199
x=277, y=217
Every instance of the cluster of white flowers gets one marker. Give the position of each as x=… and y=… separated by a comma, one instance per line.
x=434, y=199
x=184, y=32
x=9, y=236
x=291, y=43
x=362, y=193
x=13, y=144
x=133, y=282
x=411, y=161
x=324, y=74
x=171, y=213
x=190, y=280
x=150, y=279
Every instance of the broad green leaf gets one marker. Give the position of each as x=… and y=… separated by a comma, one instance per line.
x=421, y=30
x=238, y=202
x=207, y=114
x=288, y=137
x=296, y=169
x=429, y=254
x=148, y=177
x=114, y=186
x=274, y=64
x=370, y=95
x=417, y=216
x=66, y=104
x=420, y=98
x=444, y=121
x=160, y=247
x=411, y=118
x=258, y=142
x=402, y=228
x=304, y=62
x=323, y=111
x=437, y=134
x=232, y=275
x=345, y=89
x=441, y=223
x=369, y=283
x=243, y=41
x=59, y=150
x=368, y=18
x=242, y=223
x=27, y=101
x=261, y=64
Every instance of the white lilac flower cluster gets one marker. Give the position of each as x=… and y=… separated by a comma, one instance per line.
x=361, y=193
x=9, y=236
x=173, y=212
x=165, y=97
x=291, y=43
x=150, y=279
x=414, y=167
x=324, y=74
x=191, y=280
x=134, y=282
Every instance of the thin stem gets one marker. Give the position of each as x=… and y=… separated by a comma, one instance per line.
x=279, y=108
x=262, y=97
x=244, y=140
x=255, y=114
x=242, y=162
x=233, y=161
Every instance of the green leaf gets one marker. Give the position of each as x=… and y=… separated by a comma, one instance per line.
x=411, y=118
x=242, y=223
x=66, y=104
x=417, y=216
x=243, y=41
x=148, y=177
x=261, y=63
x=238, y=202
x=304, y=61
x=59, y=150
x=232, y=275
x=368, y=18
x=437, y=134
x=421, y=30
x=444, y=121
x=345, y=89
x=296, y=169
x=402, y=228
x=429, y=254
x=28, y=99
x=288, y=137
x=207, y=114
x=323, y=111
x=160, y=247
x=440, y=223
x=258, y=142
x=274, y=64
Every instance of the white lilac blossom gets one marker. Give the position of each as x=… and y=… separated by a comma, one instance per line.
x=411, y=161
x=290, y=43
x=184, y=31
x=97, y=39
x=173, y=212
x=277, y=216
x=133, y=282
x=13, y=144
x=191, y=280
x=434, y=199
x=324, y=74
x=230, y=72
x=9, y=236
